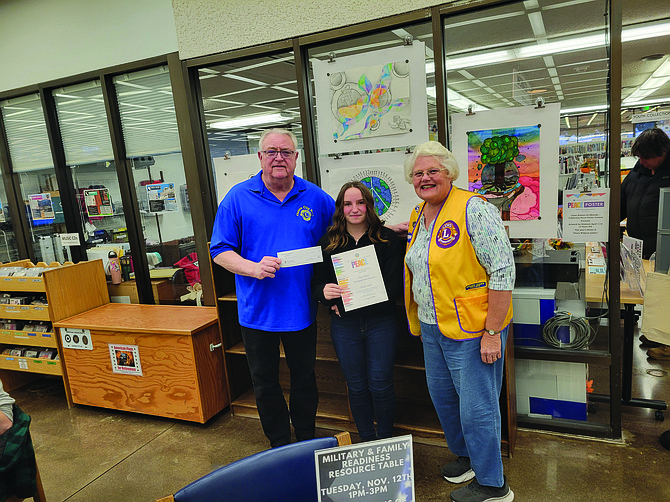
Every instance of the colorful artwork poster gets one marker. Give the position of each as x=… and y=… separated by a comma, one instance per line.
x=2, y=213
x=162, y=197
x=383, y=173
x=533, y=212
x=41, y=207
x=372, y=100
x=98, y=202
x=504, y=167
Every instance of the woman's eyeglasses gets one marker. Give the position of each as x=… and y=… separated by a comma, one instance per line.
x=431, y=173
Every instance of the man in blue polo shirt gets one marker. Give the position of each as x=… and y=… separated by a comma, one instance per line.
x=272, y=212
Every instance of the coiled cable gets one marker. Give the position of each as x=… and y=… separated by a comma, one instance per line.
x=584, y=334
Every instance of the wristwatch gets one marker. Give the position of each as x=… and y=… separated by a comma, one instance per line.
x=492, y=332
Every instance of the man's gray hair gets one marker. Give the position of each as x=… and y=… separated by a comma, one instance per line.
x=433, y=149
x=285, y=132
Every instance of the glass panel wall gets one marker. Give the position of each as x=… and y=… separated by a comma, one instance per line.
x=88, y=154
x=513, y=72
x=152, y=145
x=240, y=99
x=32, y=161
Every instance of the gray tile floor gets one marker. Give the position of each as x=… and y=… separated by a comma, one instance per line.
x=92, y=454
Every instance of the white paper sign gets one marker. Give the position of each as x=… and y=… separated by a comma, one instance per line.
x=586, y=215
x=302, y=256
x=358, y=272
x=69, y=239
x=79, y=339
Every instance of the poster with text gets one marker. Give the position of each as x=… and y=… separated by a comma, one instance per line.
x=511, y=157
x=586, y=215
x=125, y=359
x=382, y=173
x=41, y=207
x=162, y=197
x=98, y=202
x=235, y=169
x=373, y=100
x=374, y=471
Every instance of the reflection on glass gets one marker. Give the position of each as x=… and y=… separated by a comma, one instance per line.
x=88, y=153
x=31, y=157
x=240, y=100
x=152, y=146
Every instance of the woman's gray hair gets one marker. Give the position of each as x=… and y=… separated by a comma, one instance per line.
x=433, y=149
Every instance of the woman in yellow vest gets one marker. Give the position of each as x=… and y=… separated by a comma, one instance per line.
x=459, y=276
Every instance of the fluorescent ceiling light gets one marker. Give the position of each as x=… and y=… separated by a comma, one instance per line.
x=251, y=121
x=591, y=119
x=594, y=108
x=638, y=32
x=649, y=30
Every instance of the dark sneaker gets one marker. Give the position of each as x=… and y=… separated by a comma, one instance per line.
x=645, y=341
x=458, y=471
x=474, y=492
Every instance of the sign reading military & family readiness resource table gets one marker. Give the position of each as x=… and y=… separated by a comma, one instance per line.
x=375, y=471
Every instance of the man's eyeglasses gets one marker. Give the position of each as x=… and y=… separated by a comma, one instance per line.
x=431, y=173
x=286, y=154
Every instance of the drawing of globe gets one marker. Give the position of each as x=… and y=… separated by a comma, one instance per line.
x=381, y=193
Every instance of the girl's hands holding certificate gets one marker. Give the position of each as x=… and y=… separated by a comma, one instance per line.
x=332, y=291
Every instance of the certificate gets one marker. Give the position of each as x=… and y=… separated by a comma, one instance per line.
x=358, y=272
x=302, y=256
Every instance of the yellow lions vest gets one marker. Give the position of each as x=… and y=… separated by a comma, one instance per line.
x=458, y=281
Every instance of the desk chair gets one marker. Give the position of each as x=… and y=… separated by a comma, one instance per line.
x=281, y=474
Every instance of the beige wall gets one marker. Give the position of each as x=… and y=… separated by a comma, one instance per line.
x=211, y=26
x=42, y=40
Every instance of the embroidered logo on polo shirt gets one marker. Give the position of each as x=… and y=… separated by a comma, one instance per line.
x=305, y=213
x=448, y=234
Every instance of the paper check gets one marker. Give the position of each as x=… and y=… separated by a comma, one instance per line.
x=303, y=256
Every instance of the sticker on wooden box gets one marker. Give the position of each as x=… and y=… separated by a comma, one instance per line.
x=76, y=339
x=125, y=359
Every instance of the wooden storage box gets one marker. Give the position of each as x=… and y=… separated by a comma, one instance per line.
x=180, y=357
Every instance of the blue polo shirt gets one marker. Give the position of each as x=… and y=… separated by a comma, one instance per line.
x=252, y=222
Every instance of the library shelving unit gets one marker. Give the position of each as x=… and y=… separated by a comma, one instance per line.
x=415, y=413
x=69, y=290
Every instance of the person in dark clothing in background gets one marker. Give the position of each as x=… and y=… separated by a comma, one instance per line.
x=640, y=190
x=640, y=193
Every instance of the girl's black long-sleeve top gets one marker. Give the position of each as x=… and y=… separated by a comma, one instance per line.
x=390, y=255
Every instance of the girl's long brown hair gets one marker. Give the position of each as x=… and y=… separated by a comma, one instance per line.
x=337, y=232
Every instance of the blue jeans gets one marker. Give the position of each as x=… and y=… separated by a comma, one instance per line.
x=262, y=349
x=465, y=392
x=366, y=349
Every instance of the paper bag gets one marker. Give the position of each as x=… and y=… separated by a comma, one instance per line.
x=656, y=315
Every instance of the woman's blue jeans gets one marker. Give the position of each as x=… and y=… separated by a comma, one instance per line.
x=366, y=349
x=465, y=392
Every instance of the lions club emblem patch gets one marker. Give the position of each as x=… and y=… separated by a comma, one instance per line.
x=448, y=234
x=305, y=213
